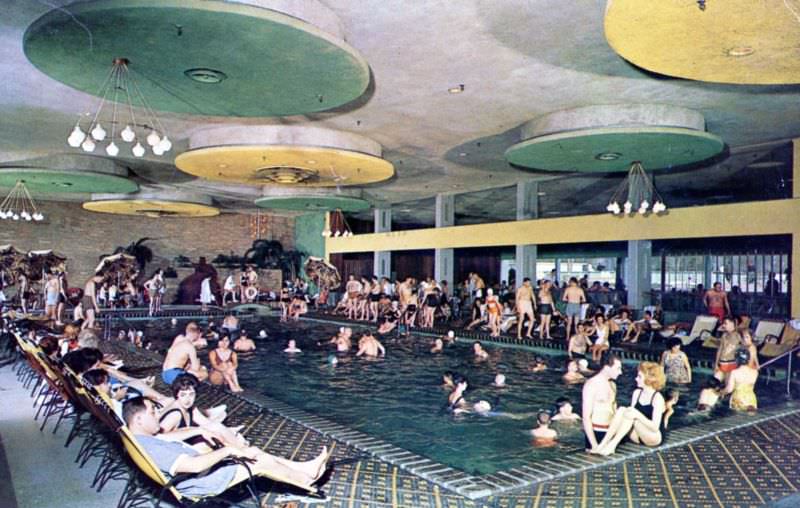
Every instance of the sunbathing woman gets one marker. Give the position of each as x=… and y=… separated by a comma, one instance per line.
x=224, y=363
x=182, y=413
x=642, y=421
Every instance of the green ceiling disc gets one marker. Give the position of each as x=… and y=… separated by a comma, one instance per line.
x=313, y=203
x=604, y=150
x=52, y=181
x=200, y=57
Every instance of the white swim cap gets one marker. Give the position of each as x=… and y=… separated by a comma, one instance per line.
x=262, y=333
x=451, y=334
x=482, y=406
x=139, y=333
x=583, y=363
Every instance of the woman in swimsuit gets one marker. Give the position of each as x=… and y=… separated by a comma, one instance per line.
x=374, y=298
x=183, y=413
x=642, y=422
x=741, y=382
x=456, y=402
x=493, y=309
x=602, y=332
x=223, y=365
x=545, y=309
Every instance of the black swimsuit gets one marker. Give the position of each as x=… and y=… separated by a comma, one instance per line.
x=647, y=409
x=182, y=424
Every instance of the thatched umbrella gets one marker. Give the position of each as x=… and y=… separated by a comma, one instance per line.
x=38, y=263
x=117, y=268
x=324, y=274
x=10, y=263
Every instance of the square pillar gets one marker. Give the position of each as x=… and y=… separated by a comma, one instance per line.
x=382, y=260
x=527, y=200
x=637, y=272
x=443, y=265
x=526, y=256
x=443, y=258
x=794, y=278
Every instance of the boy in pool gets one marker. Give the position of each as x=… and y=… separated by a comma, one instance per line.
x=292, y=347
x=539, y=364
x=669, y=405
x=565, y=411
x=478, y=351
x=543, y=435
x=579, y=342
x=709, y=395
x=438, y=346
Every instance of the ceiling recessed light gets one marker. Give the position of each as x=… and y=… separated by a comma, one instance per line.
x=222, y=165
x=463, y=154
x=205, y=76
x=608, y=156
x=456, y=89
x=541, y=193
x=741, y=51
x=311, y=161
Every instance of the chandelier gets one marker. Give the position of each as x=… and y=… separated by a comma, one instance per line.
x=338, y=226
x=19, y=205
x=638, y=193
x=120, y=88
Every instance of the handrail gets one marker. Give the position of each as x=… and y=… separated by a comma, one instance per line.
x=785, y=353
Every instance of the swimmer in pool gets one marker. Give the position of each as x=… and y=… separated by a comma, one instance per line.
x=455, y=401
x=709, y=395
x=438, y=346
x=368, y=345
x=539, y=364
x=450, y=337
x=447, y=380
x=573, y=375
x=564, y=413
x=479, y=352
x=543, y=435
x=292, y=347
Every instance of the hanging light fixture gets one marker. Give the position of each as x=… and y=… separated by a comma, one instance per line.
x=120, y=86
x=19, y=205
x=338, y=226
x=636, y=194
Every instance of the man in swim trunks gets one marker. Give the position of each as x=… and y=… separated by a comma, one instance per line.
x=368, y=345
x=526, y=304
x=575, y=297
x=51, y=294
x=716, y=301
x=725, y=361
x=600, y=399
x=182, y=356
x=89, y=301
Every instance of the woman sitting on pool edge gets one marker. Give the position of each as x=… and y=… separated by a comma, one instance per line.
x=642, y=421
x=183, y=413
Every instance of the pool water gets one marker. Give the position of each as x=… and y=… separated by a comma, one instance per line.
x=399, y=398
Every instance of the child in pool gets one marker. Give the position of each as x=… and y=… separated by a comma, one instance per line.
x=292, y=347
x=565, y=413
x=709, y=395
x=539, y=364
x=543, y=435
x=669, y=405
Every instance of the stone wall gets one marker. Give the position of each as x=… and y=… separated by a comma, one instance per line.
x=82, y=236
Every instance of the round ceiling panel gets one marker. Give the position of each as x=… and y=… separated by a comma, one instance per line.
x=313, y=203
x=614, y=149
x=734, y=41
x=51, y=181
x=297, y=156
x=271, y=63
x=153, y=204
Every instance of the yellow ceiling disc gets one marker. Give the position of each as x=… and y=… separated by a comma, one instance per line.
x=728, y=41
x=291, y=165
x=154, y=208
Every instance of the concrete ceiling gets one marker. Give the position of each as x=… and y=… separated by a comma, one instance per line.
x=516, y=59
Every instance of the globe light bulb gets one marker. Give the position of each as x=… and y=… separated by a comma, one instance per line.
x=2, y=215
x=88, y=145
x=644, y=205
x=38, y=216
x=127, y=134
x=76, y=137
x=138, y=150
x=610, y=207
x=24, y=214
x=15, y=217
x=337, y=234
x=628, y=206
x=165, y=144
x=153, y=139
x=112, y=149
x=99, y=133
x=157, y=150
x=642, y=210
x=326, y=233
x=27, y=217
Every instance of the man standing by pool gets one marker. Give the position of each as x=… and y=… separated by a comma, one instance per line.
x=525, y=307
x=600, y=399
x=716, y=301
x=575, y=297
x=182, y=356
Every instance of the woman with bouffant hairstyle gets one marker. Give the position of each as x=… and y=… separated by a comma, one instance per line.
x=642, y=421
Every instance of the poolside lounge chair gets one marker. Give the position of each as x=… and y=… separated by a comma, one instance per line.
x=789, y=339
x=148, y=467
x=768, y=328
x=702, y=328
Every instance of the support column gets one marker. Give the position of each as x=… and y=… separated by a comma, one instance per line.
x=707, y=275
x=527, y=208
x=637, y=273
x=443, y=258
x=382, y=260
x=794, y=281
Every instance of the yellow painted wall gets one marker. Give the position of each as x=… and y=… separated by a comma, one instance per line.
x=738, y=219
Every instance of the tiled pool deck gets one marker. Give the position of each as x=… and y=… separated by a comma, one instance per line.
x=741, y=460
